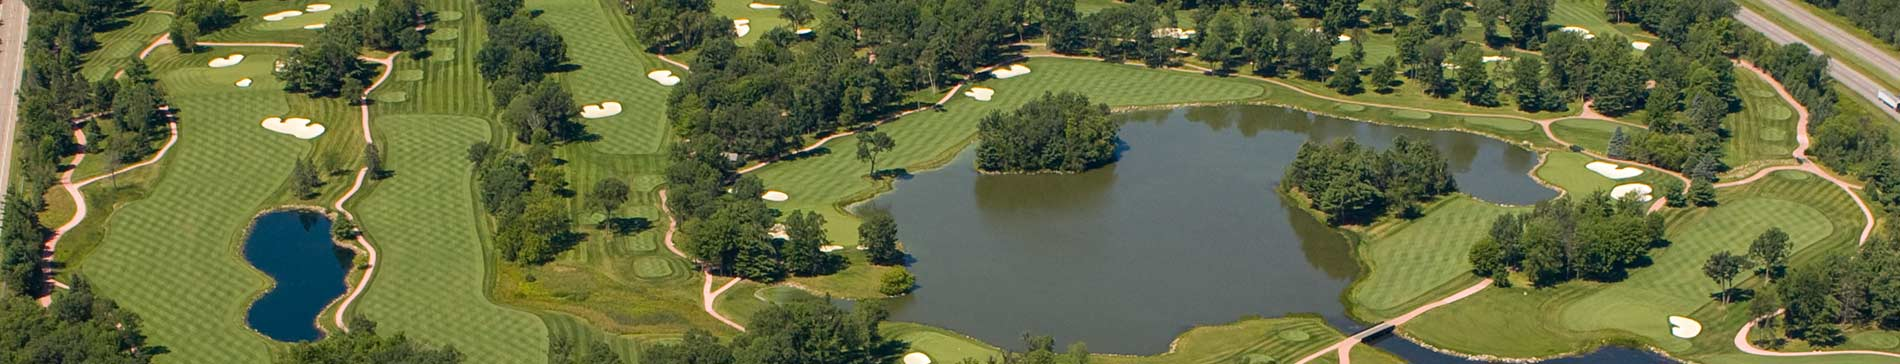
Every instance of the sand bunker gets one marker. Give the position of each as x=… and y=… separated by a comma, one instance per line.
x=1011, y=71
x=1177, y=33
x=664, y=77
x=245, y=82
x=1684, y=327
x=227, y=61
x=1641, y=46
x=1344, y=38
x=775, y=196
x=281, y=15
x=1641, y=191
x=318, y=7
x=763, y=6
x=830, y=248
x=1580, y=31
x=742, y=26
x=1611, y=171
x=298, y=127
x=980, y=93
x=1489, y=59
x=916, y=358
x=601, y=110
x=803, y=31
x=314, y=26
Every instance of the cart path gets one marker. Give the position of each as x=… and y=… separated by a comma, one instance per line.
x=1344, y=347
x=1741, y=342
x=707, y=295
x=343, y=305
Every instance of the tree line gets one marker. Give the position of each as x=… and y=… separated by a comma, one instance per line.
x=793, y=333
x=1843, y=291
x=362, y=344
x=1054, y=133
x=1591, y=237
x=79, y=327
x=328, y=66
x=1352, y=184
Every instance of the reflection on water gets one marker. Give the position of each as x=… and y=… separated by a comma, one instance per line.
x=1185, y=229
x=295, y=250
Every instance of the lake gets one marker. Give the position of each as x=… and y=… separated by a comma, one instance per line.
x=1185, y=229
x=294, y=248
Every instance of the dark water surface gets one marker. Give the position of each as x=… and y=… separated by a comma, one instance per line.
x=295, y=249
x=1184, y=230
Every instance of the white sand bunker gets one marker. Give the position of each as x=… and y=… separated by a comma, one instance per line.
x=1684, y=327
x=1489, y=59
x=315, y=26
x=1177, y=33
x=298, y=127
x=1641, y=46
x=281, y=15
x=742, y=26
x=1611, y=171
x=664, y=77
x=227, y=61
x=763, y=6
x=1344, y=38
x=830, y=248
x=775, y=196
x=318, y=7
x=980, y=93
x=601, y=110
x=1641, y=191
x=803, y=31
x=1580, y=31
x=245, y=82
x=916, y=358
x=1011, y=71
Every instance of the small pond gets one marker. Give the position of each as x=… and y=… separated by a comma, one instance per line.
x=1184, y=230
x=306, y=267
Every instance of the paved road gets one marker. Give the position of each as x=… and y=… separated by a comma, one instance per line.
x=1854, y=80
x=12, y=38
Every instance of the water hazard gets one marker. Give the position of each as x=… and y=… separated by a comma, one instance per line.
x=1184, y=230
x=294, y=248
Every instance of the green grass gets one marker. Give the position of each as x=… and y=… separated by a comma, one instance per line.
x=432, y=281
x=943, y=346
x=1763, y=133
x=185, y=232
x=298, y=22
x=1269, y=340
x=763, y=20
x=612, y=69
x=1501, y=124
x=116, y=46
x=1593, y=135
x=577, y=330
x=1407, y=259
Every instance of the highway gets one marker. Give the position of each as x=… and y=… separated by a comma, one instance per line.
x=1847, y=76
x=12, y=56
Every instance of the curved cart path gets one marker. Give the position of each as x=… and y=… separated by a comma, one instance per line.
x=1344, y=347
x=707, y=295
x=1741, y=342
x=343, y=305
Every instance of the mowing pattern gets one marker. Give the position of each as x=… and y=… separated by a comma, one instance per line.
x=432, y=284
x=186, y=232
x=1410, y=258
x=612, y=68
x=943, y=346
x=1763, y=132
x=1592, y=134
x=117, y=45
x=1275, y=340
x=576, y=330
x=449, y=87
x=926, y=140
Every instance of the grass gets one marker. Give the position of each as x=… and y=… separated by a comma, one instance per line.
x=1566, y=171
x=1258, y=340
x=943, y=346
x=1592, y=134
x=763, y=20
x=1407, y=259
x=612, y=69
x=1763, y=133
x=433, y=278
x=117, y=45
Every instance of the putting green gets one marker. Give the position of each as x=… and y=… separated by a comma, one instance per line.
x=1773, y=134
x=1411, y=114
x=1350, y=107
x=391, y=96
x=442, y=54
x=1294, y=335
x=445, y=34
x=1500, y=123
x=409, y=75
x=1876, y=339
x=943, y=346
x=1777, y=112
x=448, y=16
x=655, y=268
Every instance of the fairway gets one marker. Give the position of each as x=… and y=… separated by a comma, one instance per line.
x=1591, y=134
x=612, y=68
x=1406, y=259
x=1763, y=133
x=1269, y=340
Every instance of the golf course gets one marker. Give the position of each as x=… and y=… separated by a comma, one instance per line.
x=941, y=181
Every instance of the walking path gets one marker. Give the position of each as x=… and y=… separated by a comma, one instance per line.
x=707, y=296
x=343, y=306
x=1741, y=342
x=1344, y=347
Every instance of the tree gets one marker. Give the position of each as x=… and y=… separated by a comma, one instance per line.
x=184, y=36
x=1528, y=85
x=1771, y=251
x=362, y=344
x=1488, y=259
x=878, y=235
x=1619, y=144
x=1526, y=19
x=697, y=347
x=1672, y=193
x=1722, y=268
x=796, y=12
x=563, y=350
x=1473, y=79
x=608, y=194
x=804, y=246
x=493, y=11
x=1346, y=77
x=872, y=143
x=1340, y=15
x=897, y=281
x=344, y=228
x=1701, y=193
x=1386, y=13
x=304, y=178
x=1054, y=133
x=373, y=161
x=1385, y=73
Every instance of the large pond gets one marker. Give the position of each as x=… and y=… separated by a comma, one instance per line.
x=1184, y=230
x=295, y=250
